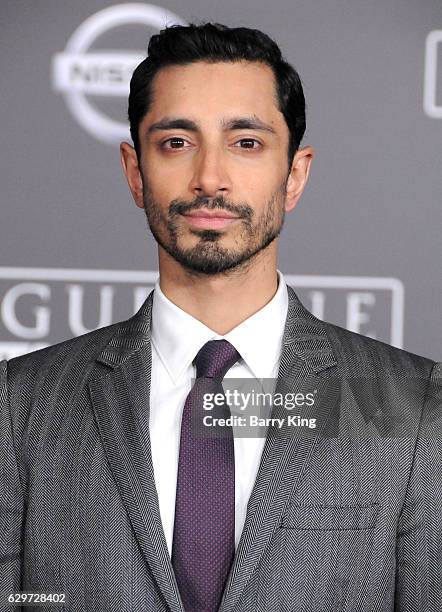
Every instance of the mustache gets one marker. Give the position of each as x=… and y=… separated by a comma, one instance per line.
x=181, y=207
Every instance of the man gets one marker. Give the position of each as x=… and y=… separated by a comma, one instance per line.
x=109, y=493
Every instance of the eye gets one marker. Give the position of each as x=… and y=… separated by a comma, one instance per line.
x=249, y=142
x=173, y=141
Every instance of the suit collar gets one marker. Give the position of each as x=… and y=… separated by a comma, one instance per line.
x=307, y=336
x=304, y=332
x=131, y=336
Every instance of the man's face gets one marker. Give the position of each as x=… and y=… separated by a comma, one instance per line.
x=214, y=140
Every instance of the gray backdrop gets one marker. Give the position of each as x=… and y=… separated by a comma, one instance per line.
x=362, y=248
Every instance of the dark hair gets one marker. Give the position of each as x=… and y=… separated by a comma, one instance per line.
x=214, y=42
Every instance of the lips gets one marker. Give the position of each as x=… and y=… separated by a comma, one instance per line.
x=211, y=214
x=210, y=219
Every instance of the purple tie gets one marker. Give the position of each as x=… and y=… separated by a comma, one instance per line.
x=204, y=530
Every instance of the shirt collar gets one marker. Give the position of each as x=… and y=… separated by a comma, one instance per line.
x=178, y=336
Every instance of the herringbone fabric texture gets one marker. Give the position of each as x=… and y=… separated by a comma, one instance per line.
x=346, y=517
x=204, y=528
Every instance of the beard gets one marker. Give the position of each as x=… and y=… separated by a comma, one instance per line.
x=208, y=256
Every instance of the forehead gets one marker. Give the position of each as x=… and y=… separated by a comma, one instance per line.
x=221, y=88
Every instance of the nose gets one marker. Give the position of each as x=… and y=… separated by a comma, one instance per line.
x=210, y=177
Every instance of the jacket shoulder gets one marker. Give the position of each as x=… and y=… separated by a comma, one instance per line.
x=364, y=355
x=43, y=384
x=81, y=349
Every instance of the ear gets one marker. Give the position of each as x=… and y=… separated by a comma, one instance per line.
x=129, y=162
x=298, y=176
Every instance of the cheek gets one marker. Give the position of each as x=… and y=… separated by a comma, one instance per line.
x=258, y=192
x=257, y=180
x=166, y=182
x=155, y=185
x=168, y=167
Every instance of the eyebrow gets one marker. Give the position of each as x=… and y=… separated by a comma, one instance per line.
x=235, y=123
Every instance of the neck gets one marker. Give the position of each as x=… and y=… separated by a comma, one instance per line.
x=221, y=301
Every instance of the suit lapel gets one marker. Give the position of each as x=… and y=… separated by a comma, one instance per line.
x=120, y=398
x=306, y=363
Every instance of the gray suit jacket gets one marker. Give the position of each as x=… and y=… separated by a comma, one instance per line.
x=344, y=517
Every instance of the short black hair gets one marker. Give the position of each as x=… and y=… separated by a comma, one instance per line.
x=214, y=42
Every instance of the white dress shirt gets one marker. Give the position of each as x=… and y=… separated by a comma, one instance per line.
x=176, y=339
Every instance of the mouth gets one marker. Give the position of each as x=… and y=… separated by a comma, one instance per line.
x=210, y=218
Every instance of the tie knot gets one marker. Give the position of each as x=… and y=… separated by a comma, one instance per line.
x=215, y=358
